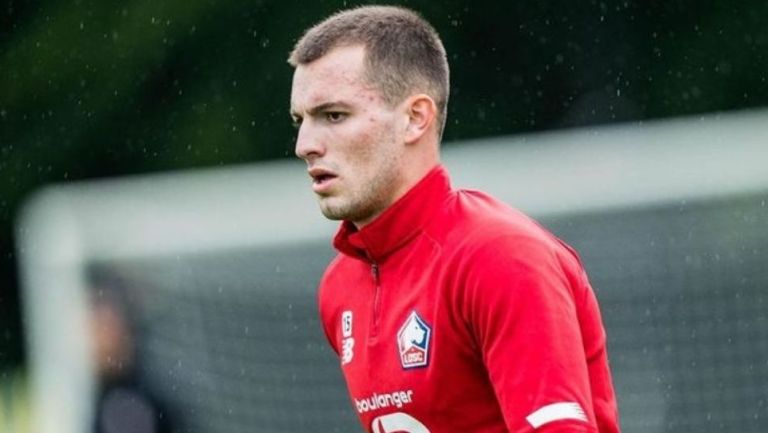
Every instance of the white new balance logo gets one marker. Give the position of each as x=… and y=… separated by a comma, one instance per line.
x=347, y=342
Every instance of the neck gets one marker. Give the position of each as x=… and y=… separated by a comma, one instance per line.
x=410, y=176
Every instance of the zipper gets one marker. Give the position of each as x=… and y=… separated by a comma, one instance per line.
x=376, y=300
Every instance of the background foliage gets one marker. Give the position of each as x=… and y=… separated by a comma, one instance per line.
x=91, y=89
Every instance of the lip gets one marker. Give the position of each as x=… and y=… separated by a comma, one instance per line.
x=322, y=179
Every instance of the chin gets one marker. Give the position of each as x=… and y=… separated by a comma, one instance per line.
x=331, y=211
x=335, y=210
x=332, y=216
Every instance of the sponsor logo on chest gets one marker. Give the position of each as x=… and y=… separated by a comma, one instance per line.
x=413, y=341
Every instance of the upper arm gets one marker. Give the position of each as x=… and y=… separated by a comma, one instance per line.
x=523, y=312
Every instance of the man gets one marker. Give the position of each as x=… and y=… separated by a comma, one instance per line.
x=450, y=311
x=124, y=403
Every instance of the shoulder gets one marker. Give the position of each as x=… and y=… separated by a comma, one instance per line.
x=488, y=241
x=331, y=295
x=337, y=271
x=337, y=283
x=476, y=223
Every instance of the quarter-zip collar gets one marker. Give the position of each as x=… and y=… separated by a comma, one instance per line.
x=399, y=223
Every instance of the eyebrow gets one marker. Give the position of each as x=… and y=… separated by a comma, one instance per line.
x=322, y=107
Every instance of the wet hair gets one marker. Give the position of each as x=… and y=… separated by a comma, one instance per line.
x=403, y=52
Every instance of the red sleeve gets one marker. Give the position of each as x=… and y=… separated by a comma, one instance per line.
x=328, y=315
x=326, y=318
x=523, y=310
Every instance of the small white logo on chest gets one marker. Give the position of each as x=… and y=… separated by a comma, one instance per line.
x=413, y=342
x=347, y=342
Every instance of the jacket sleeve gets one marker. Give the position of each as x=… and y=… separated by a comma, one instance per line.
x=523, y=311
x=326, y=312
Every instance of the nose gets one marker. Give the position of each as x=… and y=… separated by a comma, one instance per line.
x=308, y=144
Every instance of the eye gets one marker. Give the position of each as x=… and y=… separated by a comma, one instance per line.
x=335, y=116
x=297, y=122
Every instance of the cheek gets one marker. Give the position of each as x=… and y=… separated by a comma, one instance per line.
x=364, y=155
x=369, y=144
x=362, y=142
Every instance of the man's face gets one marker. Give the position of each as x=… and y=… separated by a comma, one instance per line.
x=351, y=140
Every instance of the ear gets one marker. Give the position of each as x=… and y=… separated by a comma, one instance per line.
x=422, y=115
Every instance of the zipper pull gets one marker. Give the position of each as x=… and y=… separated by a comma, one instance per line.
x=375, y=272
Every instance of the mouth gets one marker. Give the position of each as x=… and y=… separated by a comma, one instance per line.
x=321, y=178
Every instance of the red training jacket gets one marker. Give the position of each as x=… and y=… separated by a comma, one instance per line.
x=452, y=312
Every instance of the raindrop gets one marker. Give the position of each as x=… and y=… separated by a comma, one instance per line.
x=723, y=68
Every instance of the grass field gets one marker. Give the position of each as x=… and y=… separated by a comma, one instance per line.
x=14, y=403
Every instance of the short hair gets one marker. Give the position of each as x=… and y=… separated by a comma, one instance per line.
x=404, y=53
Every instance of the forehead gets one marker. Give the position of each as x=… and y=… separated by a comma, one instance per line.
x=338, y=75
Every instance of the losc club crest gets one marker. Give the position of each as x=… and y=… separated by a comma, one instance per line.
x=413, y=342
